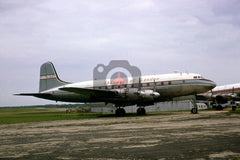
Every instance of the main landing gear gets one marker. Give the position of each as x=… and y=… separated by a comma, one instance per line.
x=141, y=111
x=234, y=106
x=219, y=107
x=120, y=112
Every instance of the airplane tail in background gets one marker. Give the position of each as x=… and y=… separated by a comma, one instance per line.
x=49, y=78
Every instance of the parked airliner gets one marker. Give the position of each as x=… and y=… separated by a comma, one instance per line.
x=222, y=95
x=148, y=90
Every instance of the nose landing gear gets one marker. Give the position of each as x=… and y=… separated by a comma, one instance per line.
x=194, y=109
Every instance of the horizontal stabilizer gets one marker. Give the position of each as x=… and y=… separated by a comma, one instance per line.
x=40, y=95
x=90, y=92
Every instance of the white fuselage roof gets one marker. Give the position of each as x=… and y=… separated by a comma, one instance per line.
x=227, y=87
x=144, y=79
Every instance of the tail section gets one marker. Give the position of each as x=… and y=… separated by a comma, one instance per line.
x=49, y=78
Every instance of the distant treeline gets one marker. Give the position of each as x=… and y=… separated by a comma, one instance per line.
x=51, y=106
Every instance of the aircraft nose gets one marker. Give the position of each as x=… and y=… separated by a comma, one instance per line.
x=207, y=85
x=212, y=85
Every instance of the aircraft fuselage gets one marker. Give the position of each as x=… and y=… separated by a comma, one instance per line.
x=167, y=85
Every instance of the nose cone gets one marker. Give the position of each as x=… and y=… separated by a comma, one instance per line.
x=211, y=85
x=206, y=85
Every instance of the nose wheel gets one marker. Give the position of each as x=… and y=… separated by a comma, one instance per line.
x=194, y=109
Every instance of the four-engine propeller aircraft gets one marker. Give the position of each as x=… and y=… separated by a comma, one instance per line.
x=148, y=89
x=222, y=94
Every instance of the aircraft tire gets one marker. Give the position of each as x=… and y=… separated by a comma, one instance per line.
x=234, y=108
x=219, y=108
x=194, y=110
x=120, y=112
x=123, y=112
x=141, y=111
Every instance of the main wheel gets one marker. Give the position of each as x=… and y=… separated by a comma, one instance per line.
x=219, y=107
x=120, y=112
x=234, y=108
x=141, y=111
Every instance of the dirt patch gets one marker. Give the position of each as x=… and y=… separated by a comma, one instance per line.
x=176, y=135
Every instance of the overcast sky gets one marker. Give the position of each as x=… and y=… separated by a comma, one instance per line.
x=157, y=36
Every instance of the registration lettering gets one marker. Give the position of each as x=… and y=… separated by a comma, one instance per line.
x=51, y=76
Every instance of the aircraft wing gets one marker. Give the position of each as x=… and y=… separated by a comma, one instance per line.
x=91, y=92
x=203, y=97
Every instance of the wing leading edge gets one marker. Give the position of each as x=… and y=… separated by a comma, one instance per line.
x=91, y=92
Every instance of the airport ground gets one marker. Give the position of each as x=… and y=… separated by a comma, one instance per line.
x=161, y=135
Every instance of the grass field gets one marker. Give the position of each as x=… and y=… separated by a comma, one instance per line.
x=24, y=115
x=234, y=112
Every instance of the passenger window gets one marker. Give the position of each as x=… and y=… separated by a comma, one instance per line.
x=123, y=86
x=165, y=83
x=129, y=86
x=115, y=87
x=177, y=82
x=158, y=83
x=144, y=84
x=151, y=84
x=135, y=85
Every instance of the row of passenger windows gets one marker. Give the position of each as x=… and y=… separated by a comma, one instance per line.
x=144, y=84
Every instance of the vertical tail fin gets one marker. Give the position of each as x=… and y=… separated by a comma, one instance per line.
x=49, y=78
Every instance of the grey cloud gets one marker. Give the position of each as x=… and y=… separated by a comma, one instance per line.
x=156, y=36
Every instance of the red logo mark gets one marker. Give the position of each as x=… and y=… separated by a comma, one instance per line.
x=118, y=80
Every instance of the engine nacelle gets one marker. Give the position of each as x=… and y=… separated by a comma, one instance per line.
x=133, y=94
x=128, y=93
x=148, y=95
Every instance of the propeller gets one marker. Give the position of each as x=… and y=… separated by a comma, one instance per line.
x=154, y=86
x=139, y=84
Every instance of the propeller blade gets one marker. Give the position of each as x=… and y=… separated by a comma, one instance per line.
x=139, y=84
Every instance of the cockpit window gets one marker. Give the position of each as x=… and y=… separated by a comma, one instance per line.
x=197, y=77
